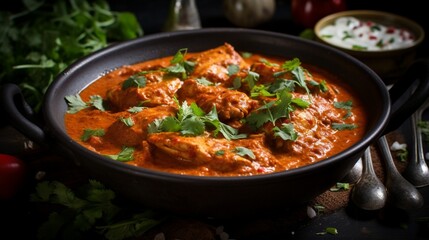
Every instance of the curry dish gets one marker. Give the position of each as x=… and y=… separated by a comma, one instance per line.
x=218, y=112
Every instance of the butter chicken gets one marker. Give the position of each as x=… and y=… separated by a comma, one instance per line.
x=219, y=112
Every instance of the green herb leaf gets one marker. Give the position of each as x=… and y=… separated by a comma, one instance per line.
x=134, y=81
x=88, y=133
x=75, y=103
x=285, y=132
x=340, y=186
x=39, y=42
x=125, y=155
x=90, y=209
x=233, y=69
x=129, y=122
x=347, y=105
x=135, y=109
x=343, y=126
x=242, y=151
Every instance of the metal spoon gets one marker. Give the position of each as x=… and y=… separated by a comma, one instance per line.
x=401, y=193
x=355, y=173
x=417, y=171
x=369, y=193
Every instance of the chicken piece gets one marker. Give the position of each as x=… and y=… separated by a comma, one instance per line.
x=160, y=93
x=123, y=135
x=230, y=104
x=313, y=126
x=212, y=64
x=217, y=154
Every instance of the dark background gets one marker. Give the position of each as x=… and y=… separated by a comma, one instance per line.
x=152, y=14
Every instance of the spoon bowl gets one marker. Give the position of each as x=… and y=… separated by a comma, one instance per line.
x=369, y=193
x=401, y=193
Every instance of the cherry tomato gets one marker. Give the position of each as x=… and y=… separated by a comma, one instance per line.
x=307, y=12
x=12, y=175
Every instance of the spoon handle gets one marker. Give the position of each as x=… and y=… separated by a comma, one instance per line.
x=417, y=171
x=391, y=169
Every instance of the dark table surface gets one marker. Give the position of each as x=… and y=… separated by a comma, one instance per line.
x=351, y=223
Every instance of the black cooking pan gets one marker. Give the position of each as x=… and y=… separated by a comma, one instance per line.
x=217, y=196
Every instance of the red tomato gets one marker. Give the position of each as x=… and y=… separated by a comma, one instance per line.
x=12, y=175
x=307, y=12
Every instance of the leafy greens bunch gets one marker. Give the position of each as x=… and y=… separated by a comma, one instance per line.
x=90, y=208
x=39, y=42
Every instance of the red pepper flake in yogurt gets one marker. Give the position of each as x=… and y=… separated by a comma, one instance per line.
x=352, y=33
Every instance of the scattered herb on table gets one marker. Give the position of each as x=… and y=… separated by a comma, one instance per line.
x=424, y=128
x=39, y=42
x=340, y=186
x=330, y=230
x=89, y=209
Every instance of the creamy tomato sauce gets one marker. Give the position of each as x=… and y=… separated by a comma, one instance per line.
x=217, y=113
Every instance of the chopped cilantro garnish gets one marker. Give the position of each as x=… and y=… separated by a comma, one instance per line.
x=87, y=133
x=125, y=155
x=204, y=81
x=246, y=54
x=358, y=47
x=76, y=104
x=251, y=79
x=134, y=81
x=179, y=65
x=271, y=111
x=340, y=186
x=343, y=126
x=242, y=151
x=129, y=122
x=192, y=121
x=330, y=230
x=285, y=132
x=233, y=69
x=347, y=105
x=135, y=109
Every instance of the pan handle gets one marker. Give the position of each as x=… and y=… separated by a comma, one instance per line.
x=403, y=109
x=20, y=114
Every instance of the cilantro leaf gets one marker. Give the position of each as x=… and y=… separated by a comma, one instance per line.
x=343, y=126
x=134, y=81
x=41, y=40
x=347, y=105
x=192, y=121
x=179, y=65
x=88, y=133
x=125, y=155
x=129, y=122
x=242, y=151
x=75, y=103
x=232, y=69
x=285, y=132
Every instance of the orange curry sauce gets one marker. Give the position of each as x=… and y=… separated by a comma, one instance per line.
x=288, y=124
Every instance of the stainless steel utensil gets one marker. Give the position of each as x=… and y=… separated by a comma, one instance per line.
x=417, y=171
x=369, y=193
x=400, y=193
x=355, y=173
